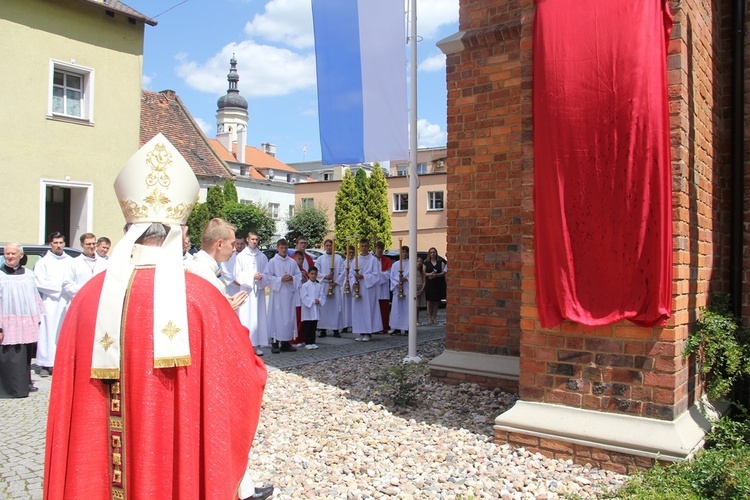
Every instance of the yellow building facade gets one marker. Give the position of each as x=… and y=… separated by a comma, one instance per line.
x=70, y=119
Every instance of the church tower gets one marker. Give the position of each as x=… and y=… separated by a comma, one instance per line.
x=231, y=115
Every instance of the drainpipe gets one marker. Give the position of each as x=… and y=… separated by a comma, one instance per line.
x=738, y=158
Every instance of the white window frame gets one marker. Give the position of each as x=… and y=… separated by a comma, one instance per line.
x=327, y=176
x=402, y=169
x=291, y=211
x=87, y=100
x=307, y=203
x=421, y=168
x=398, y=201
x=431, y=199
x=273, y=209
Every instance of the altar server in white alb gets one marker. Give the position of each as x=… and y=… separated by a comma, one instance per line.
x=399, y=318
x=346, y=304
x=84, y=267
x=50, y=273
x=364, y=280
x=331, y=267
x=250, y=273
x=284, y=279
x=312, y=297
x=227, y=268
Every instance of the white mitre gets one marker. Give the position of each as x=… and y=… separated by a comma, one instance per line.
x=155, y=185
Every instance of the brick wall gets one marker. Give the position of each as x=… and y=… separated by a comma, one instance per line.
x=491, y=307
x=597, y=457
x=485, y=188
x=623, y=368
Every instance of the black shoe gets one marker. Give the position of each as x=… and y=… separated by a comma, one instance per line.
x=45, y=372
x=323, y=333
x=395, y=332
x=336, y=334
x=287, y=347
x=275, y=348
x=261, y=493
x=33, y=388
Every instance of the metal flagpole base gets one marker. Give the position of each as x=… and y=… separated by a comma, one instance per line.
x=412, y=359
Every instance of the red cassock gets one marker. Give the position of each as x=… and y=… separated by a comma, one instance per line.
x=186, y=431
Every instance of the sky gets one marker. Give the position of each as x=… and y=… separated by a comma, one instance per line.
x=189, y=52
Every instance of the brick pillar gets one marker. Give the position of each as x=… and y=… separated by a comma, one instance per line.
x=485, y=70
x=615, y=396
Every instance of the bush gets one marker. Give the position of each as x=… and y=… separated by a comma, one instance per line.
x=721, y=471
x=722, y=346
x=399, y=383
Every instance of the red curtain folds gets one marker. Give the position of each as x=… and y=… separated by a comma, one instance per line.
x=602, y=176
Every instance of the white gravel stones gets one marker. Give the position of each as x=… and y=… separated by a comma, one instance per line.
x=324, y=433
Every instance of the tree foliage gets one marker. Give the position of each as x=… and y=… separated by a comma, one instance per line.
x=198, y=219
x=251, y=217
x=310, y=222
x=346, y=213
x=360, y=180
x=379, y=217
x=230, y=192
x=215, y=202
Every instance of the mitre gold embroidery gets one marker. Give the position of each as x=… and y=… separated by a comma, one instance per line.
x=156, y=200
x=106, y=342
x=170, y=330
x=179, y=212
x=159, y=159
x=133, y=210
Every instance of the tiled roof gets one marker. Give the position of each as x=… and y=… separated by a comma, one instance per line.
x=164, y=112
x=259, y=159
x=225, y=155
x=117, y=6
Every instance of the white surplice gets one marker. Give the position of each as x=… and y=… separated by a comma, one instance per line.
x=227, y=275
x=399, y=318
x=207, y=268
x=332, y=313
x=365, y=309
x=253, y=311
x=50, y=273
x=282, y=317
x=82, y=269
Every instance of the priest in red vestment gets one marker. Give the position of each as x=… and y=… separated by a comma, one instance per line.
x=157, y=389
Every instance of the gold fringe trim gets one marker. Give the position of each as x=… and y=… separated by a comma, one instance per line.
x=172, y=362
x=105, y=373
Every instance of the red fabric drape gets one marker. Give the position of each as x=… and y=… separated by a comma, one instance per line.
x=602, y=177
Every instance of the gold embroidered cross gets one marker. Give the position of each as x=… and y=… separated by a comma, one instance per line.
x=170, y=330
x=106, y=341
x=156, y=199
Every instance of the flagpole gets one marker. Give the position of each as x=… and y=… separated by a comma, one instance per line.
x=412, y=357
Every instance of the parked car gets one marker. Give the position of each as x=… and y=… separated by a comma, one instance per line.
x=395, y=256
x=32, y=253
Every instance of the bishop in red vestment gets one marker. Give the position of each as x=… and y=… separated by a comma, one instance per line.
x=186, y=430
x=157, y=389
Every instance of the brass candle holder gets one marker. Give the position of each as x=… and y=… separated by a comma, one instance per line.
x=347, y=288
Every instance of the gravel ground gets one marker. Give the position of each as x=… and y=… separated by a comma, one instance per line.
x=331, y=430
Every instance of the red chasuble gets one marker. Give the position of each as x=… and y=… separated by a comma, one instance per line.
x=179, y=433
x=602, y=176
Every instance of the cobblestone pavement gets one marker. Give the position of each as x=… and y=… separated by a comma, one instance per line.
x=24, y=421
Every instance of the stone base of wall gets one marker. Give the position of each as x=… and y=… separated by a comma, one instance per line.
x=489, y=371
x=580, y=454
x=622, y=443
